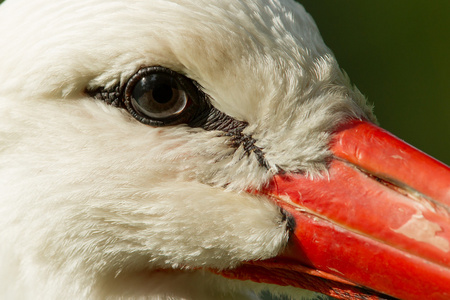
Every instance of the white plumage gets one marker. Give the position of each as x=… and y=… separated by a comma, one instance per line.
x=95, y=204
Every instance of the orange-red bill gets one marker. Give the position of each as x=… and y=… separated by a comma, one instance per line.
x=375, y=226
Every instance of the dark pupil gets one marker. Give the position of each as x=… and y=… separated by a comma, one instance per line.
x=158, y=95
x=162, y=93
x=155, y=92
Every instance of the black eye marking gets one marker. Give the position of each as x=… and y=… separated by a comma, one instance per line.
x=217, y=120
x=111, y=96
x=158, y=96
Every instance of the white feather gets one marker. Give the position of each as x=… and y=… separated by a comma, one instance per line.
x=93, y=202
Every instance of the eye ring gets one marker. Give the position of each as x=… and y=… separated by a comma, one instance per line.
x=158, y=96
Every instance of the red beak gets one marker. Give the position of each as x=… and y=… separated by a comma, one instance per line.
x=375, y=226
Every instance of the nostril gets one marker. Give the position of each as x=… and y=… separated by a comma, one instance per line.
x=288, y=219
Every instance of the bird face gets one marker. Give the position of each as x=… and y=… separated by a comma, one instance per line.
x=139, y=141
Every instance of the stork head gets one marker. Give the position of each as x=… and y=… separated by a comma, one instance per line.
x=161, y=149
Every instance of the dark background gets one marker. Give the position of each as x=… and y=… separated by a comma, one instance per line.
x=397, y=54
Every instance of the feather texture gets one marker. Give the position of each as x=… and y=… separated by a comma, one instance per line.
x=95, y=204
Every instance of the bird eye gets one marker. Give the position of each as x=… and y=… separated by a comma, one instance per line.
x=159, y=96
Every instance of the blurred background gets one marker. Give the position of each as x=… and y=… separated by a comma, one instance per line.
x=398, y=54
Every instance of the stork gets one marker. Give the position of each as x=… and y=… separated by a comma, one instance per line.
x=198, y=149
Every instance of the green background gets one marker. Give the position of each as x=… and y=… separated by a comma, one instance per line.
x=397, y=53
